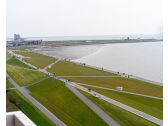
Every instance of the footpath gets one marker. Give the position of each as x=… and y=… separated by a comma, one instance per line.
x=123, y=106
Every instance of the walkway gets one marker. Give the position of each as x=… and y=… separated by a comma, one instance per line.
x=45, y=111
x=127, y=108
x=121, y=91
x=50, y=65
x=123, y=106
x=93, y=106
x=38, y=81
x=91, y=76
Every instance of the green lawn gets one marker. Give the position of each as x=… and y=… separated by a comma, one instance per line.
x=64, y=68
x=24, y=76
x=54, y=95
x=8, y=57
x=150, y=106
x=123, y=117
x=16, y=62
x=10, y=107
x=36, y=59
x=8, y=84
x=15, y=98
x=22, y=48
x=132, y=85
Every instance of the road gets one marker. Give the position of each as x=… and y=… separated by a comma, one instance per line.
x=123, y=106
x=92, y=76
x=45, y=111
x=121, y=91
x=50, y=65
x=127, y=108
x=93, y=106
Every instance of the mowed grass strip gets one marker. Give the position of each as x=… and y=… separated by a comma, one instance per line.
x=64, y=68
x=24, y=76
x=128, y=84
x=148, y=105
x=20, y=102
x=55, y=96
x=16, y=62
x=22, y=48
x=8, y=84
x=8, y=56
x=36, y=59
x=123, y=117
x=10, y=107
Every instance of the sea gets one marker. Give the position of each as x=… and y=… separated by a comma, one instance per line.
x=143, y=59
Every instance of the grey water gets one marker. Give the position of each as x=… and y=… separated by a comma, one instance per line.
x=144, y=60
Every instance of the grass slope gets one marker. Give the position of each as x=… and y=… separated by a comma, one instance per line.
x=8, y=57
x=64, y=68
x=24, y=76
x=8, y=84
x=16, y=62
x=123, y=117
x=26, y=107
x=128, y=84
x=54, y=95
x=36, y=59
x=10, y=107
x=150, y=106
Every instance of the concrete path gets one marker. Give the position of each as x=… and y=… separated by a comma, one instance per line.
x=27, y=63
x=121, y=74
x=36, y=81
x=123, y=106
x=92, y=76
x=127, y=108
x=25, y=68
x=50, y=65
x=45, y=111
x=94, y=107
x=121, y=91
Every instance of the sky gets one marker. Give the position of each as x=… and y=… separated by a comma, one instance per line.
x=39, y=18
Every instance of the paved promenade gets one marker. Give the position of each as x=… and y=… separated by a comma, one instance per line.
x=93, y=76
x=123, y=106
x=94, y=107
x=50, y=65
x=127, y=108
x=45, y=111
x=121, y=91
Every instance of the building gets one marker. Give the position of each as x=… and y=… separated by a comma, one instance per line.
x=18, y=41
x=16, y=37
x=18, y=118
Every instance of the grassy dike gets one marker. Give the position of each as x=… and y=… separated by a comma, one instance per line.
x=24, y=76
x=123, y=117
x=36, y=59
x=8, y=84
x=148, y=105
x=64, y=68
x=15, y=69
x=16, y=62
x=55, y=96
x=21, y=103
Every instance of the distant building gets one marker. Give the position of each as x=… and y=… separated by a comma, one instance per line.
x=128, y=38
x=18, y=41
x=16, y=37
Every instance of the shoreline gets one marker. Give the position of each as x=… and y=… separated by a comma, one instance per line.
x=107, y=70
x=111, y=71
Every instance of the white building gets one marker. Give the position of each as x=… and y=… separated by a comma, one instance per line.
x=18, y=118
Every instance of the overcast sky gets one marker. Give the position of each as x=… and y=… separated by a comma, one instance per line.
x=83, y=17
